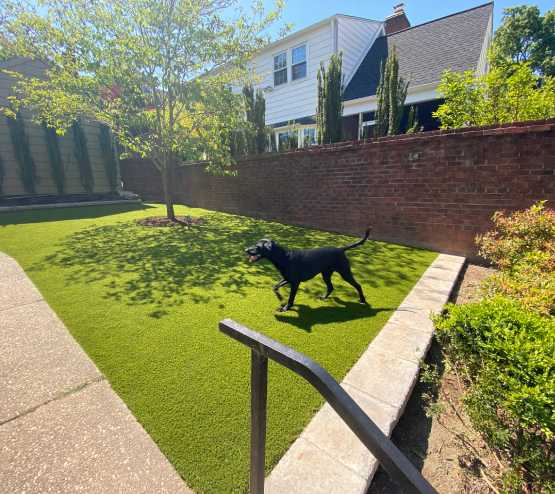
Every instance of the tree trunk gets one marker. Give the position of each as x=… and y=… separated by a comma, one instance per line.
x=167, y=183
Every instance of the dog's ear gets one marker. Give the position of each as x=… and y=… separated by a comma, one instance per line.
x=269, y=244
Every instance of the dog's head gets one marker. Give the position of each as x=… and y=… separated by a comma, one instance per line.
x=261, y=249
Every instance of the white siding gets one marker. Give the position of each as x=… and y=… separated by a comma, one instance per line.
x=295, y=99
x=354, y=39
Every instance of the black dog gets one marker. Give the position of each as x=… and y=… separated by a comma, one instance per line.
x=297, y=266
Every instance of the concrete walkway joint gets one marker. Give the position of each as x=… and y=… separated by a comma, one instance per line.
x=62, y=427
x=328, y=458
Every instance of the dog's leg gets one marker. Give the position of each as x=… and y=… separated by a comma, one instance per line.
x=349, y=278
x=291, y=301
x=327, y=280
x=277, y=287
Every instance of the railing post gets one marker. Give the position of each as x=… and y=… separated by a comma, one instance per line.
x=259, y=392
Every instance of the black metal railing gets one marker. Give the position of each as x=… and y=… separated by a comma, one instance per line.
x=395, y=463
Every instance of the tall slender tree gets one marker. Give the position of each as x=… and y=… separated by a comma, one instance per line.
x=391, y=95
x=255, y=108
x=329, y=112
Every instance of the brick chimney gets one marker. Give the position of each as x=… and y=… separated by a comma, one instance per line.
x=396, y=21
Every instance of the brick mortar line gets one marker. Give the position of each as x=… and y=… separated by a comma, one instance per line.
x=59, y=396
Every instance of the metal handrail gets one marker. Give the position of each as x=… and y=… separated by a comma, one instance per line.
x=395, y=463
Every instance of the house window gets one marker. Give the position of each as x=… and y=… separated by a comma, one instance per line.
x=367, y=123
x=309, y=136
x=298, y=62
x=288, y=139
x=280, y=69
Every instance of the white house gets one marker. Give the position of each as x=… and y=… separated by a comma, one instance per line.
x=287, y=69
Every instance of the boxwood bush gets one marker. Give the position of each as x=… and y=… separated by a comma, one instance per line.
x=522, y=246
x=504, y=347
x=506, y=355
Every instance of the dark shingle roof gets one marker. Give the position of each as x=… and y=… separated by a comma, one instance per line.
x=425, y=51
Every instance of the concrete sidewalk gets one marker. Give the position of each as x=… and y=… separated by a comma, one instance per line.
x=62, y=428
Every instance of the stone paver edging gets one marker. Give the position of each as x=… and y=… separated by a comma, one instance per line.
x=328, y=458
x=62, y=427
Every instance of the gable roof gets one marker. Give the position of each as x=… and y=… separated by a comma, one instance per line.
x=425, y=51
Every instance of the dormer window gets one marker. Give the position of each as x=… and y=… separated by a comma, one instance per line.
x=298, y=62
x=280, y=69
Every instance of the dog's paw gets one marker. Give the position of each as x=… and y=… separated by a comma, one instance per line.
x=284, y=308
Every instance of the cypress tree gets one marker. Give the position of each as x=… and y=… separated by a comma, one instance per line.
x=382, y=111
x=261, y=130
x=109, y=157
x=22, y=152
x=55, y=157
x=255, y=107
x=2, y=172
x=391, y=95
x=320, y=111
x=82, y=156
x=329, y=112
x=413, y=125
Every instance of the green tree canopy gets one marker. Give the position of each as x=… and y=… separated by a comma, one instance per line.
x=498, y=97
x=526, y=36
x=157, y=72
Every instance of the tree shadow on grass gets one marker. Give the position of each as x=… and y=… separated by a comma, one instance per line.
x=305, y=317
x=168, y=267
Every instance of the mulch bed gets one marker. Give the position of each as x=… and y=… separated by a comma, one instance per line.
x=163, y=221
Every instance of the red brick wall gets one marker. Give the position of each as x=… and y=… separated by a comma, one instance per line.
x=434, y=189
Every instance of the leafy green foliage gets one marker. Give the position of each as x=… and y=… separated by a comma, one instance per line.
x=109, y=156
x=164, y=291
x=22, y=152
x=329, y=112
x=81, y=154
x=162, y=67
x=522, y=246
x=391, y=94
x=506, y=353
x=518, y=234
x=526, y=36
x=505, y=346
x=57, y=168
x=255, y=106
x=501, y=96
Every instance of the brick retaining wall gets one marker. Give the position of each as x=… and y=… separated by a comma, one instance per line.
x=434, y=189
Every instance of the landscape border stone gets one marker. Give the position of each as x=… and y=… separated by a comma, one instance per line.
x=328, y=458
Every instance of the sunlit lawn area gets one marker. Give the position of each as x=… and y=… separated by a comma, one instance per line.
x=145, y=302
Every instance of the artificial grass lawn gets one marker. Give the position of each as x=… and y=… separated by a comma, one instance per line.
x=145, y=302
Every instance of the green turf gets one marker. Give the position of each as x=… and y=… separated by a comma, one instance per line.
x=145, y=302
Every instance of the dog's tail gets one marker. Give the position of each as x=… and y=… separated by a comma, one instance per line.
x=361, y=241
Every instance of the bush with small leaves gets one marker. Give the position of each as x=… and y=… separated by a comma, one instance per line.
x=506, y=354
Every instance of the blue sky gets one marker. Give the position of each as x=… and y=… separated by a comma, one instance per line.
x=302, y=13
